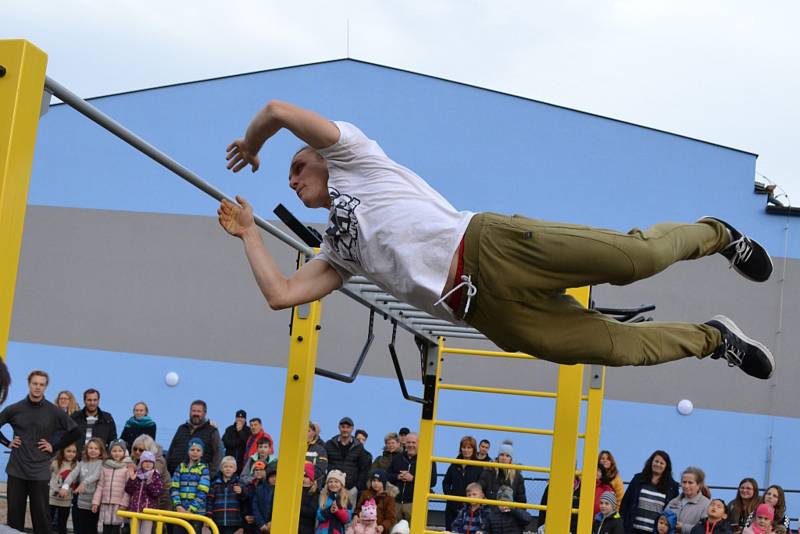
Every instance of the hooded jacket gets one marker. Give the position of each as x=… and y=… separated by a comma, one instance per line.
x=111, y=486
x=385, y=503
x=611, y=524
x=469, y=520
x=671, y=518
x=491, y=479
x=189, y=487
x=144, y=493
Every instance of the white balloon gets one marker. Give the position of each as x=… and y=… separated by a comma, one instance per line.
x=685, y=407
x=172, y=379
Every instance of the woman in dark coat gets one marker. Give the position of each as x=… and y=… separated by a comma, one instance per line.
x=655, y=478
x=458, y=477
x=492, y=478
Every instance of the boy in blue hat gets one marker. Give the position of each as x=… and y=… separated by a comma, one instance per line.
x=191, y=481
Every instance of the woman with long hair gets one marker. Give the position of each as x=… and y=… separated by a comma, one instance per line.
x=648, y=494
x=67, y=402
x=775, y=497
x=458, y=477
x=740, y=508
x=492, y=477
x=606, y=459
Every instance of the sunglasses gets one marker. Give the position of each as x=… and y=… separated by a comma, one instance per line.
x=138, y=449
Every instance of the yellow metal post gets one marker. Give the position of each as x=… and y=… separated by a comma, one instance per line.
x=567, y=421
x=136, y=517
x=427, y=428
x=591, y=444
x=296, y=414
x=22, y=74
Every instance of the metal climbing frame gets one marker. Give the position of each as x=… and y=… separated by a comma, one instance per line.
x=25, y=94
x=565, y=436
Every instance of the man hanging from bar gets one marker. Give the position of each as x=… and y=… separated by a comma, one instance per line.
x=504, y=275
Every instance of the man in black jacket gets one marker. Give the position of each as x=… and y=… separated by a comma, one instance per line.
x=198, y=426
x=235, y=439
x=347, y=455
x=402, y=474
x=35, y=421
x=94, y=422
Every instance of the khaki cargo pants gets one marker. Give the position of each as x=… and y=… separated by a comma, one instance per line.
x=521, y=268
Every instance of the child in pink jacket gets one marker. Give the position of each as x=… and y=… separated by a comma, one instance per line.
x=110, y=493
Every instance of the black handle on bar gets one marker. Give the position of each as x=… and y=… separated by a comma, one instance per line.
x=628, y=315
x=349, y=379
x=398, y=371
x=307, y=234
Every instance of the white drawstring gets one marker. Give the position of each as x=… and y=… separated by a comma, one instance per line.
x=466, y=280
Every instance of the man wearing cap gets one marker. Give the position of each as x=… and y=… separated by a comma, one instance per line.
x=235, y=439
x=347, y=455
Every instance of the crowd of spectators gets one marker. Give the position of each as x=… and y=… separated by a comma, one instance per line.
x=69, y=461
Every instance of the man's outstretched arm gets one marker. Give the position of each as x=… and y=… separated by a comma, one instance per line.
x=311, y=282
x=314, y=129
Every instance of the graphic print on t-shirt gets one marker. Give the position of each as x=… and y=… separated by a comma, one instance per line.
x=343, y=225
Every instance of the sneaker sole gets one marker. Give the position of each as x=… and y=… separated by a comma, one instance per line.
x=730, y=325
x=756, y=243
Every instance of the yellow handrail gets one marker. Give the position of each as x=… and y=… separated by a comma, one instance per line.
x=501, y=391
x=135, y=517
x=489, y=353
x=501, y=428
x=185, y=515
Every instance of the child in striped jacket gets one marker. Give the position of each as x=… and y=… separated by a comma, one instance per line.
x=190, y=483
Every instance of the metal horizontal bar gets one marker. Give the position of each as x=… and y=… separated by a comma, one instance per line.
x=454, y=329
x=430, y=321
x=490, y=502
x=498, y=465
x=352, y=289
x=97, y=116
x=501, y=391
x=489, y=353
x=500, y=428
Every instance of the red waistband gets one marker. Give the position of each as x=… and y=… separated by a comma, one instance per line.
x=454, y=300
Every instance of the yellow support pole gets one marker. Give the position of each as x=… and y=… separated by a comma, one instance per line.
x=22, y=74
x=296, y=414
x=427, y=428
x=591, y=445
x=565, y=438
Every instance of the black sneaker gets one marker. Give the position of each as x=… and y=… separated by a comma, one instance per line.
x=740, y=351
x=747, y=257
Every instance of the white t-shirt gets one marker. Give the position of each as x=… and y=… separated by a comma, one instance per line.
x=387, y=224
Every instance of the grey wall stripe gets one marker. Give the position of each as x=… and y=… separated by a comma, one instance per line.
x=177, y=285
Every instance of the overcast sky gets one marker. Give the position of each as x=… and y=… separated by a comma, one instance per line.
x=725, y=71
